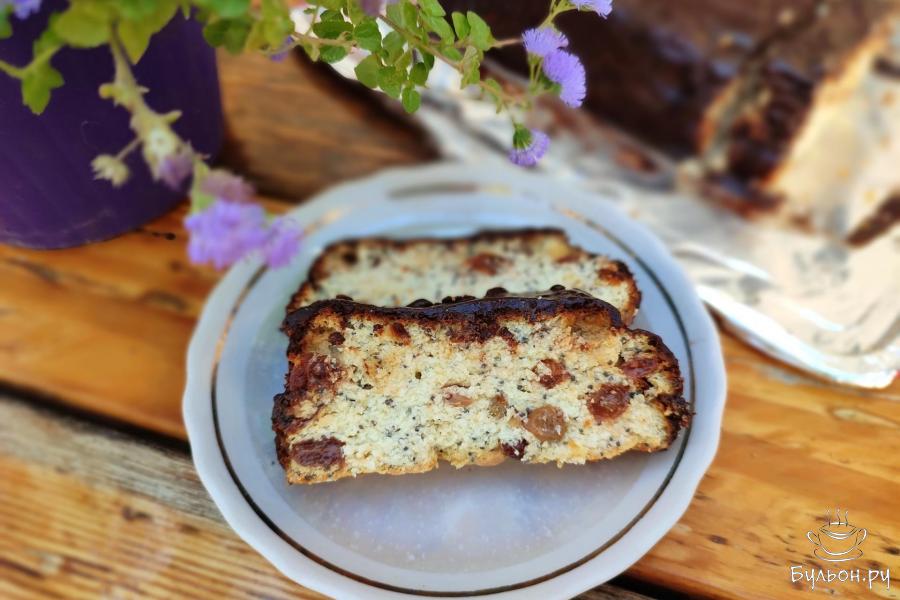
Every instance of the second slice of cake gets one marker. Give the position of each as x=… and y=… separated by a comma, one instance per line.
x=387, y=272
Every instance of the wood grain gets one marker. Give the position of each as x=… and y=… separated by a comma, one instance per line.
x=294, y=128
x=109, y=337
x=104, y=328
x=87, y=512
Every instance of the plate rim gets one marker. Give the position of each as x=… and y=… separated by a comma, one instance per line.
x=252, y=527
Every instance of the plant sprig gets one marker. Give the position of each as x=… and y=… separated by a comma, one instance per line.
x=397, y=62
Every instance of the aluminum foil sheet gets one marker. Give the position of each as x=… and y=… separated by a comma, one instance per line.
x=812, y=301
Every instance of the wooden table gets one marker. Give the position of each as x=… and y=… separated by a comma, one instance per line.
x=98, y=494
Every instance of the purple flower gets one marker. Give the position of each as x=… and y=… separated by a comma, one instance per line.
x=282, y=243
x=543, y=41
x=283, y=50
x=175, y=168
x=371, y=7
x=22, y=8
x=225, y=232
x=601, y=7
x=566, y=70
x=225, y=186
x=528, y=151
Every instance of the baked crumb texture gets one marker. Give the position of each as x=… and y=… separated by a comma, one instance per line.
x=548, y=378
x=386, y=272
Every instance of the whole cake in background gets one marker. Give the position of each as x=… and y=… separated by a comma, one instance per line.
x=789, y=108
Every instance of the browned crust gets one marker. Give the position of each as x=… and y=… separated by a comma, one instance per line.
x=475, y=319
x=477, y=315
x=673, y=405
x=617, y=272
x=879, y=222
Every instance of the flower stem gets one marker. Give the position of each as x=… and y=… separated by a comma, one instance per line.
x=128, y=149
x=21, y=72
x=11, y=70
x=504, y=97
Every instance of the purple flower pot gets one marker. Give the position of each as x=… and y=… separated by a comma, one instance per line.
x=48, y=195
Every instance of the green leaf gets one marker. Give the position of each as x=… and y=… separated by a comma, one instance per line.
x=419, y=74
x=276, y=24
x=367, y=35
x=85, y=24
x=135, y=35
x=432, y=8
x=48, y=38
x=367, y=71
x=336, y=5
x=230, y=33
x=440, y=27
x=37, y=84
x=391, y=80
x=331, y=15
x=409, y=15
x=227, y=9
x=332, y=54
x=214, y=33
x=451, y=53
x=404, y=61
x=355, y=12
x=236, y=36
x=460, y=24
x=394, y=12
x=480, y=32
x=332, y=29
x=39, y=78
x=393, y=44
x=428, y=59
x=411, y=99
x=471, y=63
x=5, y=25
x=136, y=9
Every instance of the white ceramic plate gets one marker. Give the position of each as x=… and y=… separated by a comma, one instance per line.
x=513, y=530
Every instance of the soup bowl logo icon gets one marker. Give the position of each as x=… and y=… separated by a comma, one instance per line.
x=837, y=540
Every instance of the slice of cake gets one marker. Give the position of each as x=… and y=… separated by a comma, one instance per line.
x=387, y=272
x=554, y=377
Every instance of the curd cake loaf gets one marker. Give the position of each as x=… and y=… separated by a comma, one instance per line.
x=786, y=108
x=553, y=377
x=387, y=272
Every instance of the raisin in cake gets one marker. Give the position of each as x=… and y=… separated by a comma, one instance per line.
x=554, y=377
x=388, y=272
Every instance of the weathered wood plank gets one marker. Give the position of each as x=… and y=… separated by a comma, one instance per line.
x=108, y=337
x=87, y=512
x=77, y=325
x=294, y=127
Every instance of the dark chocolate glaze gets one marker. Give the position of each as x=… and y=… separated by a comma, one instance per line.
x=658, y=68
x=654, y=66
x=883, y=219
x=533, y=306
x=818, y=48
